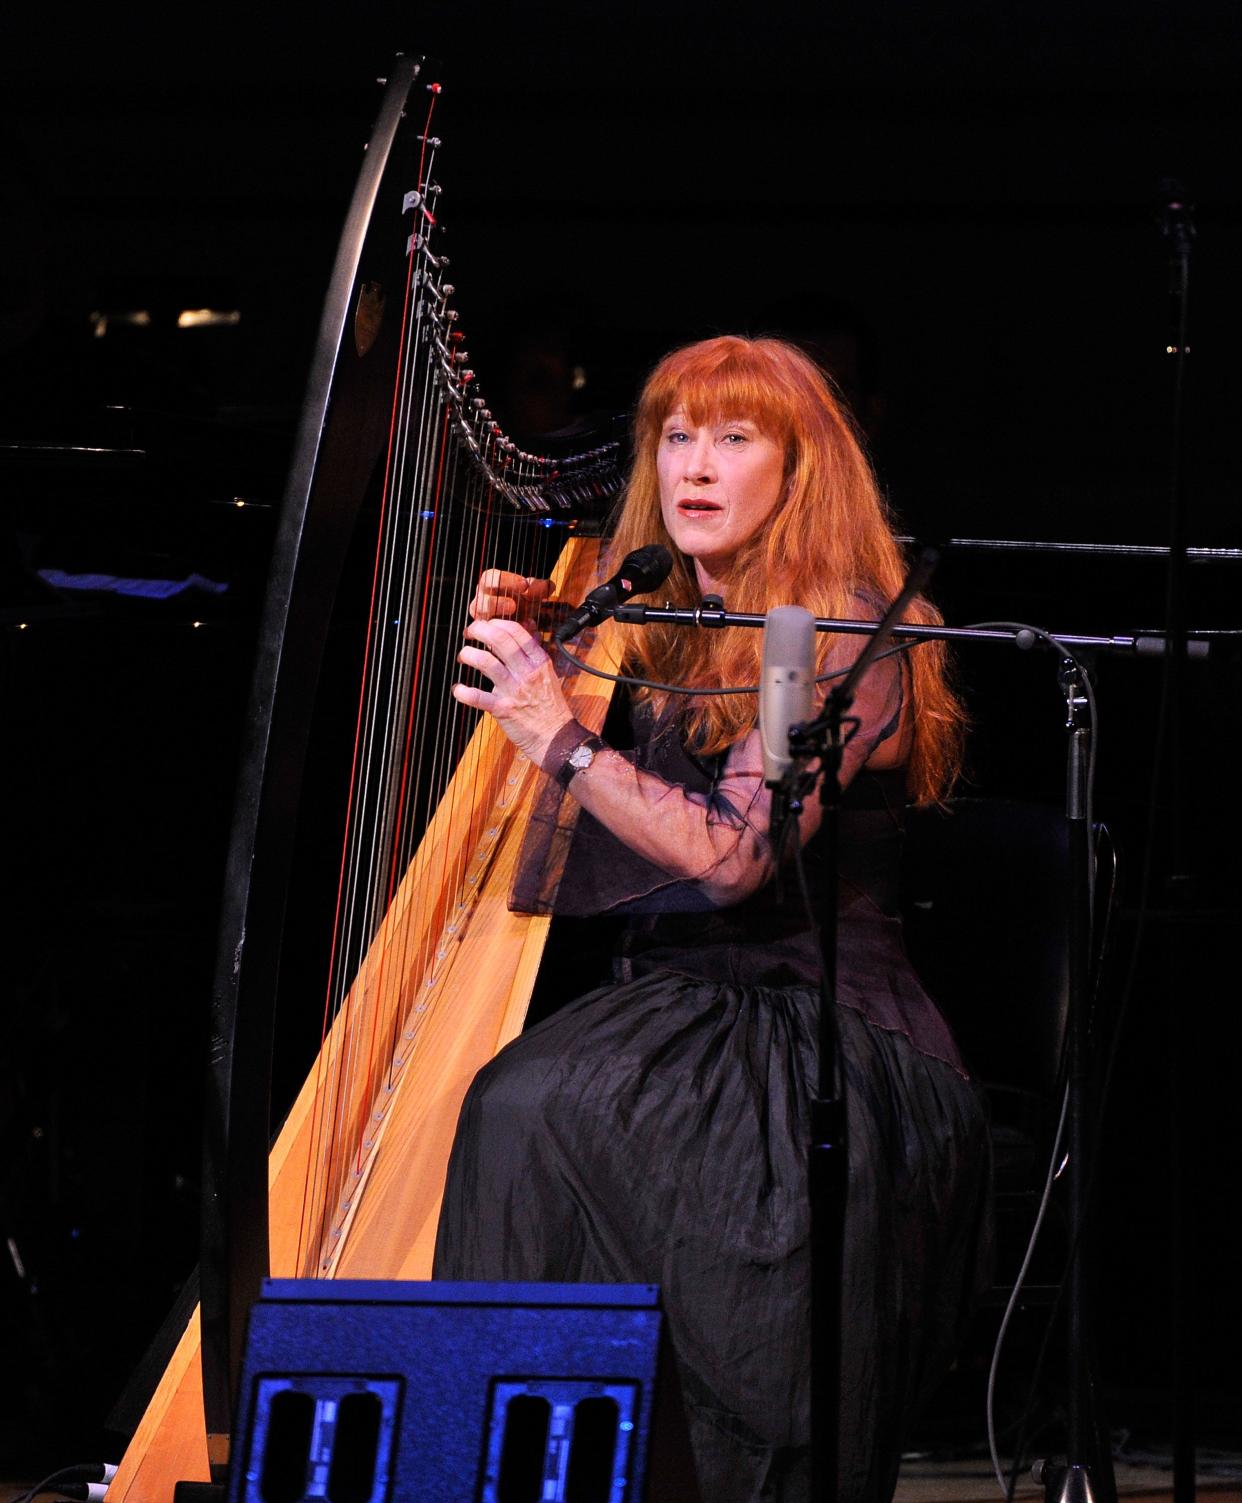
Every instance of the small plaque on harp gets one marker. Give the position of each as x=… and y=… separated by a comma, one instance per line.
x=368, y=316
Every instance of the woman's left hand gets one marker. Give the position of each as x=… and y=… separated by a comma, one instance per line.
x=525, y=699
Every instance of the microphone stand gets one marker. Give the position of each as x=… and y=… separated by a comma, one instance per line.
x=1071, y=1482
x=827, y=1167
x=828, y=1154
x=1177, y=227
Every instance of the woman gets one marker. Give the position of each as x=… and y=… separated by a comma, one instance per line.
x=655, y=1130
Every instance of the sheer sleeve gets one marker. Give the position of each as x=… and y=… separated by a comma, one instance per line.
x=691, y=835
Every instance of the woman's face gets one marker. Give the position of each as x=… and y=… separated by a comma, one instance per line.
x=719, y=484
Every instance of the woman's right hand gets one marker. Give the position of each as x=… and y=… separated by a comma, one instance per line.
x=503, y=596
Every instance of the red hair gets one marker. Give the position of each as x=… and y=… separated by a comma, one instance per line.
x=829, y=540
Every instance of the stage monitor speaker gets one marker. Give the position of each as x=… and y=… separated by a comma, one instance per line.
x=403, y=1392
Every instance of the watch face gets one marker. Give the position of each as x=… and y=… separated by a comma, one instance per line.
x=581, y=756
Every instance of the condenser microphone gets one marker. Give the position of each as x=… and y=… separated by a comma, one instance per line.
x=786, y=685
x=644, y=569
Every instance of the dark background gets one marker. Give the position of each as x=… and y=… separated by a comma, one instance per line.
x=959, y=203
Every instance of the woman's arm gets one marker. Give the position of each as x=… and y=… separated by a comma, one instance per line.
x=718, y=840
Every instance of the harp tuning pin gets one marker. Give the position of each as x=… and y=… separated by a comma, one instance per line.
x=434, y=189
x=435, y=88
x=450, y=314
x=448, y=289
x=476, y=401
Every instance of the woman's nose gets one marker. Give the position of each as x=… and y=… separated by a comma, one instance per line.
x=700, y=459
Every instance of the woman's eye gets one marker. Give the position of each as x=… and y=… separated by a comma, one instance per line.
x=735, y=438
x=676, y=436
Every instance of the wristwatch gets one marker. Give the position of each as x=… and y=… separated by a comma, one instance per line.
x=578, y=760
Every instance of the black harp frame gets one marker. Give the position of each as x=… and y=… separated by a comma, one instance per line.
x=339, y=441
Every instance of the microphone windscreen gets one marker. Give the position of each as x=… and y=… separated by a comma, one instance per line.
x=786, y=684
x=645, y=569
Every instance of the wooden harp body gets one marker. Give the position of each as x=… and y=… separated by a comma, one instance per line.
x=429, y=970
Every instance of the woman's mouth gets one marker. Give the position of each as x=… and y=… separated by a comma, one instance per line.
x=697, y=508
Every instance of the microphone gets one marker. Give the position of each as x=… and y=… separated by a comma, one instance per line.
x=644, y=569
x=786, y=685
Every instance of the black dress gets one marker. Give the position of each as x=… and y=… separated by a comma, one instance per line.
x=655, y=1131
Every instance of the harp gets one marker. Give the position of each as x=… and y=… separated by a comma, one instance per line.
x=429, y=972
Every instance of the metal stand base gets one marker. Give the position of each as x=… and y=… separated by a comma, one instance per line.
x=1063, y=1484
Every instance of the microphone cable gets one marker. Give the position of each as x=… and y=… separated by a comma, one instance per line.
x=85, y=1482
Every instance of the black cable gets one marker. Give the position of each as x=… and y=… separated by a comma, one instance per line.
x=1125, y=999
x=1041, y=1356
x=646, y=683
x=70, y=1481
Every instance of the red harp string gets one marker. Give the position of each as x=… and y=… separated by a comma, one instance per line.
x=457, y=496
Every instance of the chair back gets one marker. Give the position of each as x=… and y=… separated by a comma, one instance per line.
x=986, y=893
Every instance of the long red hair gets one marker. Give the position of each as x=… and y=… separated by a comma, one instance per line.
x=830, y=539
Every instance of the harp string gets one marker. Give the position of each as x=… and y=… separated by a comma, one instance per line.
x=418, y=557
x=414, y=692
x=426, y=795
x=330, y=1065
